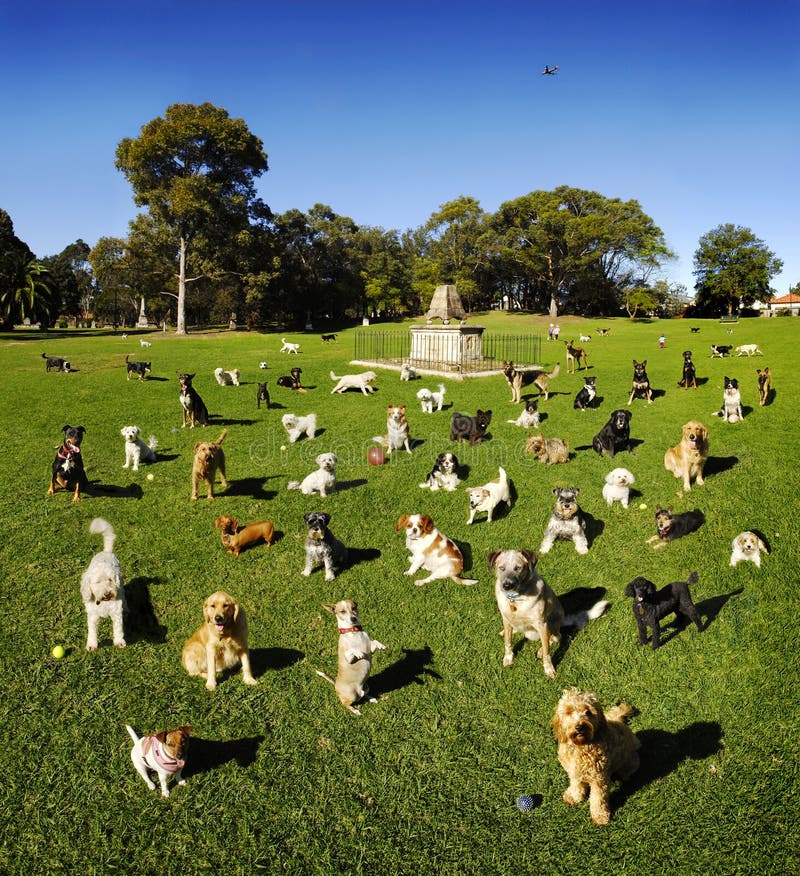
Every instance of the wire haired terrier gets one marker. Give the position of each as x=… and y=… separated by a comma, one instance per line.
x=566, y=522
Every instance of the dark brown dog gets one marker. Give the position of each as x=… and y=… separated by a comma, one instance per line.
x=764, y=385
x=68, y=472
x=466, y=428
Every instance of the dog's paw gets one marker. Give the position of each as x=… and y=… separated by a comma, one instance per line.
x=91, y=648
x=250, y=680
x=211, y=685
x=121, y=644
x=508, y=659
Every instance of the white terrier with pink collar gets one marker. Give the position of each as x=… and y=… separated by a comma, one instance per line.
x=164, y=753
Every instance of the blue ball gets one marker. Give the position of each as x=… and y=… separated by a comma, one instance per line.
x=525, y=802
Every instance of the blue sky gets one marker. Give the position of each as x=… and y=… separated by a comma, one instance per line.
x=384, y=112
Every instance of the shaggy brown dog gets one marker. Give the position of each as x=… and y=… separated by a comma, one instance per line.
x=594, y=747
x=547, y=450
x=220, y=643
x=209, y=458
x=686, y=459
x=235, y=537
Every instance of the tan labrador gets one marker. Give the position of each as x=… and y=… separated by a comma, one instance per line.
x=209, y=458
x=687, y=458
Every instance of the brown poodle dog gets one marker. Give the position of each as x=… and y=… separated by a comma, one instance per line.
x=594, y=747
x=209, y=458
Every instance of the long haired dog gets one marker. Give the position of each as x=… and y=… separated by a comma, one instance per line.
x=209, y=458
x=586, y=394
x=651, y=605
x=164, y=753
x=444, y=474
x=322, y=547
x=575, y=355
x=731, y=410
x=102, y=587
x=355, y=381
x=67, y=471
x=322, y=481
x=687, y=459
x=139, y=369
x=615, y=435
x=220, y=643
x=397, y=435
x=689, y=377
x=354, y=656
x=431, y=550
x=291, y=380
x=764, y=385
x=489, y=496
x=594, y=748
x=518, y=378
x=429, y=398
x=289, y=347
x=528, y=605
x=671, y=526
x=640, y=384
x=227, y=378
x=297, y=426
x=566, y=522
x=235, y=537
x=529, y=418
x=747, y=546
x=194, y=409
x=136, y=450
x=618, y=486
x=549, y=451
x=407, y=372
x=466, y=428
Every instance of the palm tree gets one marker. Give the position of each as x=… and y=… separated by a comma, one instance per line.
x=27, y=293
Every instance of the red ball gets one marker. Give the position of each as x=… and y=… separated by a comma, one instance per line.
x=376, y=456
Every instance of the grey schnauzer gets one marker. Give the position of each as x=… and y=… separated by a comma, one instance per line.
x=322, y=547
x=567, y=521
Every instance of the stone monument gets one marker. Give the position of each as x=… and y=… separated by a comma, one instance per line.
x=142, y=321
x=446, y=346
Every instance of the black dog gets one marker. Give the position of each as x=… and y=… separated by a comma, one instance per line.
x=326, y=338
x=649, y=606
x=640, y=386
x=68, y=472
x=322, y=547
x=694, y=330
x=720, y=350
x=444, y=474
x=138, y=368
x=671, y=526
x=262, y=395
x=689, y=376
x=194, y=409
x=466, y=428
x=291, y=380
x=55, y=362
x=586, y=395
x=615, y=435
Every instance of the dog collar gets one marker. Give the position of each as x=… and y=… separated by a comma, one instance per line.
x=68, y=451
x=512, y=596
x=349, y=630
x=169, y=764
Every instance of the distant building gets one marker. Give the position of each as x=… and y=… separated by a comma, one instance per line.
x=790, y=303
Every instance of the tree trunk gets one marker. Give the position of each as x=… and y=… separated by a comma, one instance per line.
x=180, y=328
x=554, y=292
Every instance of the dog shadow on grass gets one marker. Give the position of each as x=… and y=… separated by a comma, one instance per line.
x=263, y=660
x=210, y=754
x=710, y=608
x=132, y=491
x=252, y=487
x=718, y=464
x=143, y=624
x=361, y=555
x=341, y=486
x=573, y=601
x=409, y=669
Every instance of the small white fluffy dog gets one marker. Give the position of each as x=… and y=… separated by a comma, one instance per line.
x=407, y=372
x=617, y=487
x=355, y=381
x=489, y=496
x=288, y=347
x=585, y=338
x=102, y=587
x=136, y=450
x=321, y=481
x=429, y=398
x=747, y=546
x=296, y=426
x=227, y=378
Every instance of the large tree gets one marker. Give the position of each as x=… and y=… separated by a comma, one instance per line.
x=195, y=171
x=733, y=268
x=25, y=291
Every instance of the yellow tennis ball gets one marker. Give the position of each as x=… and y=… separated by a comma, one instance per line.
x=58, y=652
x=643, y=507
x=151, y=476
x=283, y=448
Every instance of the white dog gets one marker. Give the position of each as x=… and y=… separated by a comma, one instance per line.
x=489, y=496
x=529, y=418
x=321, y=481
x=748, y=350
x=429, y=398
x=585, y=338
x=289, y=347
x=164, y=753
x=617, y=488
x=136, y=450
x=407, y=372
x=227, y=378
x=145, y=343
x=355, y=381
x=102, y=587
x=296, y=426
x=747, y=546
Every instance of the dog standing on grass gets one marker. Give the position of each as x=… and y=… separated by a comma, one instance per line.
x=103, y=588
x=164, y=753
x=650, y=606
x=209, y=458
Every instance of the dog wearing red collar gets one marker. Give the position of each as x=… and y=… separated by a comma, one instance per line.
x=164, y=753
x=68, y=472
x=355, y=656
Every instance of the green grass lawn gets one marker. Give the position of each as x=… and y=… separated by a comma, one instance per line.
x=281, y=778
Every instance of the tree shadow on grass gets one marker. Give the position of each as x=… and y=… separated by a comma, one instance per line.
x=210, y=754
x=409, y=669
x=142, y=621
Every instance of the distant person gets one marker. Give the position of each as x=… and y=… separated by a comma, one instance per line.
x=556, y=332
x=661, y=341
x=550, y=332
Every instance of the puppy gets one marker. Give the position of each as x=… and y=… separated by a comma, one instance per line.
x=429, y=398
x=618, y=487
x=56, y=362
x=650, y=606
x=326, y=338
x=687, y=459
x=586, y=395
x=136, y=450
x=262, y=394
x=549, y=451
x=748, y=350
x=615, y=435
x=689, y=377
x=517, y=379
x=397, y=436
x=164, y=753
x=764, y=385
x=731, y=410
x=291, y=380
x=407, y=372
x=297, y=426
x=354, y=656
x=194, y=410
x=322, y=481
x=640, y=385
x=67, y=471
x=322, y=547
x=227, y=378
x=747, y=546
x=719, y=351
x=672, y=526
x=102, y=587
x=431, y=550
x=575, y=355
x=489, y=496
x=145, y=343
x=209, y=458
x=235, y=537
x=528, y=605
x=289, y=347
x=594, y=748
x=529, y=418
x=355, y=381
x=220, y=643
x=444, y=474
x=566, y=522
x=140, y=369
x=473, y=429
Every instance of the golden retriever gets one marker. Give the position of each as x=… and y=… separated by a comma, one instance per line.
x=687, y=458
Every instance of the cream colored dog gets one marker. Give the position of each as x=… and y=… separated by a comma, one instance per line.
x=489, y=496
x=355, y=381
x=747, y=546
x=617, y=487
x=687, y=458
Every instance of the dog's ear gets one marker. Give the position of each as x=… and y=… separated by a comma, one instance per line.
x=658, y=508
x=236, y=611
x=325, y=518
x=64, y=428
x=197, y=446
x=234, y=523
x=531, y=556
x=329, y=606
x=220, y=521
x=610, y=477
x=556, y=490
x=491, y=559
x=402, y=522
x=669, y=510
x=161, y=737
x=426, y=524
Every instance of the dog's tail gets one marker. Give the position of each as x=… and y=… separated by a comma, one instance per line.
x=621, y=712
x=221, y=437
x=130, y=730
x=467, y=582
x=580, y=618
x=325, y=676
x=45, y=356
x=555, y=372
x=334, y=377
x=98, y=526
x=692, y=579
x=381, y=439
x=152, y=442
x=293, y=485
